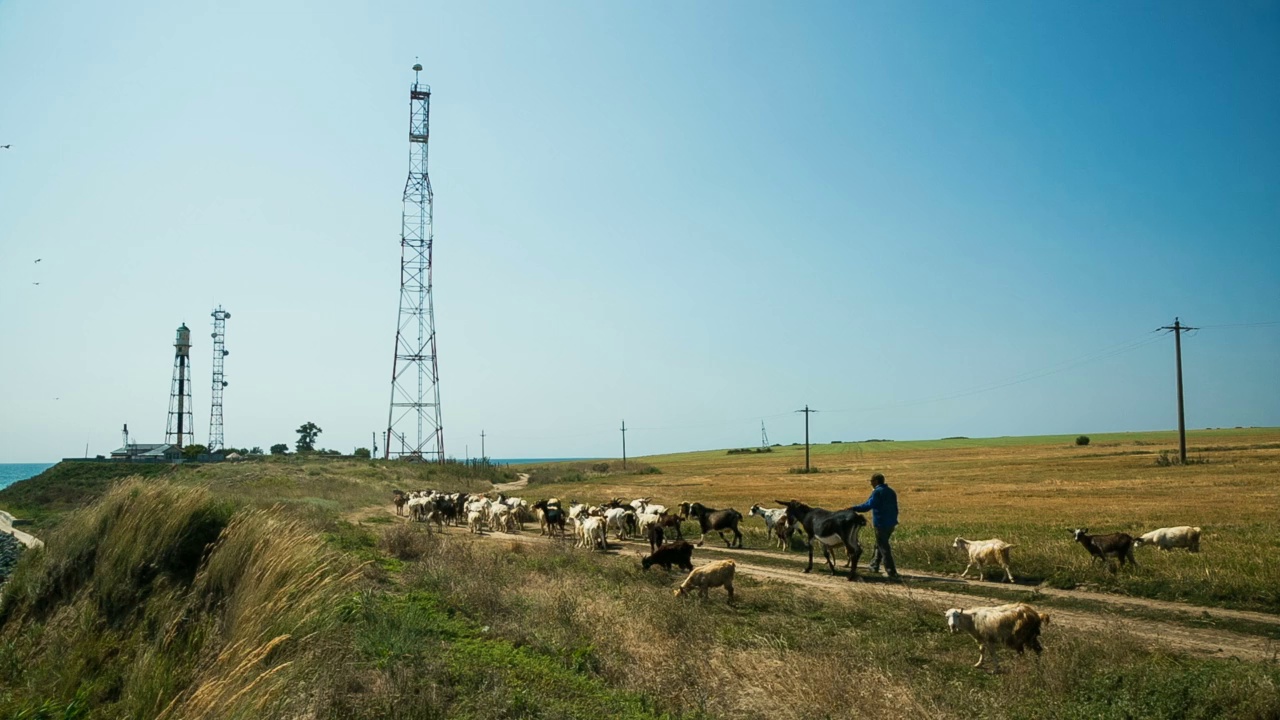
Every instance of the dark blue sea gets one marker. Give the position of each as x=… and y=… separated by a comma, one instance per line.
x=13, y=472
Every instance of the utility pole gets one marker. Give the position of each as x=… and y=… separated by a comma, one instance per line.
x=624, y=444
x=806, y=412
x=482, y=455
x=374, y=435
x=764, y=436
x=1178, y=328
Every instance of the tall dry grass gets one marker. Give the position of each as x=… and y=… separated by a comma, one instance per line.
x=162, y=601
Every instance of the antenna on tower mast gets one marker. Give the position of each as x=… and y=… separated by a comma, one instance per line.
x=220, y=352
x=414, y=415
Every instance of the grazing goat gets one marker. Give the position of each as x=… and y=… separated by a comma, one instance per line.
x=678, y=553
x=713, y=574
x=1016, y=626
x=1183, y=536
x=775, y=524
x=830, y=529
x=710, y=519
x=1117, y=545
x=983, y=553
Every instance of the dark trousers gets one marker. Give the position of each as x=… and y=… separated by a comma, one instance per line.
x=883, y=553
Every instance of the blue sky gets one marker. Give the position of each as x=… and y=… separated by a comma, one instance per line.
x=691, y=216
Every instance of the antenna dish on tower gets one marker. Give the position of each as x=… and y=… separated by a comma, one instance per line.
x=417, y=67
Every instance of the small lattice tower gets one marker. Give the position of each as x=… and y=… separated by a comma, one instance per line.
x=220, y=353
x=181, y=428
x=413, y=420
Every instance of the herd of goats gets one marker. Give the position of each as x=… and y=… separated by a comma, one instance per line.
x=1015, y=625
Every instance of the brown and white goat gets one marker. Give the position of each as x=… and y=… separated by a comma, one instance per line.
x=1016, y=626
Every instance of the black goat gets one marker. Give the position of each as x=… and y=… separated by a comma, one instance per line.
x=678, y=553
x=1117, y=545
x=710, y=519
x=829, y=529
x=552, y=516
x=655, y=537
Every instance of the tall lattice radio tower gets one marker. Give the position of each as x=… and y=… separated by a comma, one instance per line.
x=413, y=421
x=181, y=429
x=220, y=352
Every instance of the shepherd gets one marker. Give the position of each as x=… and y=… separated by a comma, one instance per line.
x=883, y=505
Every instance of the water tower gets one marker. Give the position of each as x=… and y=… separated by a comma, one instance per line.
x=181, y=429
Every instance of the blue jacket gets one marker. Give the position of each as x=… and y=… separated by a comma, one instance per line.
x=883, y=505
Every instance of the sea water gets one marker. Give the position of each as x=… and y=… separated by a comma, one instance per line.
x=13, y=472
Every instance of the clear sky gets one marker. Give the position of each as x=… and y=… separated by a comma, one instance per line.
x=694, y=216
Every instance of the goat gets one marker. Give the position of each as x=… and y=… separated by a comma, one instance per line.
x=830, y=529
x=710, y=519
x=550, y=516
x=1117, y=545
x=475, y=522
x=772, y=518
x=983, y=553
x=620, y=520
x=678, y=553
x=1183, y=536
x=713, y=574
x=399, y=499
x=655, y=535
x=591, y=533
x=1016, y=626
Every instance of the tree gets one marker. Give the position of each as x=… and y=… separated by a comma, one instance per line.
x=307, y=437
x=362, y=453
x=256, y=450
x=191, y=452
x=1082, y=440
x=279, y=449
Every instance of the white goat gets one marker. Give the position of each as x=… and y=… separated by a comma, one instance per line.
x=475, y=521
x=1183, y=536
x=591, y=533
x=616, y=519
x=983, y=553
x=1016, y=626
x=772, y=516
x=705, y=577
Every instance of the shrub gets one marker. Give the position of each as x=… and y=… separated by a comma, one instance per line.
x=1082, y=440
x=812, y=469
x=600, y=467
x=279, y=449
x=361, y=453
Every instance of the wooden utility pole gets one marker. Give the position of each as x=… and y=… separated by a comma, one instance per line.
x=806, y=412
x=624, y=444
x=1178, y=328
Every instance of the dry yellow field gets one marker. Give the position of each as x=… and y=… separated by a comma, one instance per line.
x=1028, y=491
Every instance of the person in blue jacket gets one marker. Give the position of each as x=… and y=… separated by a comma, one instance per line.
x=883, y=505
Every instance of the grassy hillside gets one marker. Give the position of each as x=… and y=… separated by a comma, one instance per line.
x=1027, y=491
x=283, y=589
x=167, y=600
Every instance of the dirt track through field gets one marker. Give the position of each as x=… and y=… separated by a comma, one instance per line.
x=1207, y=642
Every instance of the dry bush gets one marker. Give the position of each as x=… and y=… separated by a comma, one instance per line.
x=405, y=541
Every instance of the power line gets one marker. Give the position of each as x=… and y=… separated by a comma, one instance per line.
x=1238, y=325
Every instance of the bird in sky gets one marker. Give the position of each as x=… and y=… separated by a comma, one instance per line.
x=5, y=147
x=35, y=283
x=39, y=259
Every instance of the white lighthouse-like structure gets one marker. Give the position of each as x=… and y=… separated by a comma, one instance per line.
x=180, y=430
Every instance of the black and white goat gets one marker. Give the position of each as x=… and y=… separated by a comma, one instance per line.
x=830, y=529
